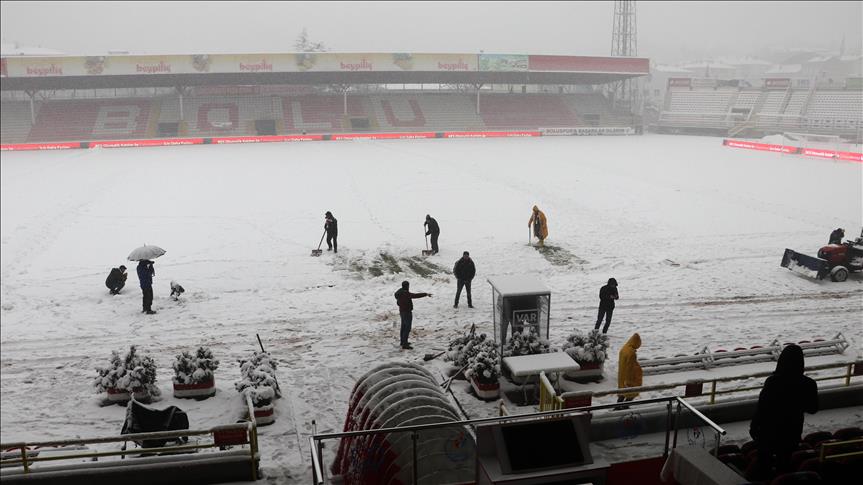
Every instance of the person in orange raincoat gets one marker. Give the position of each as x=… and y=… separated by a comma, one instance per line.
x=540, y=225
x=628, y=369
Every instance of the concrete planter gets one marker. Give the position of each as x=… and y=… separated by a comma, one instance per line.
x=588, y=371
x=122, y=396
x=486, y=391
x=265, y=414
x=201, y=390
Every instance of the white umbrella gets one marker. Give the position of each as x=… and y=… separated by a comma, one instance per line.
x=146, y=252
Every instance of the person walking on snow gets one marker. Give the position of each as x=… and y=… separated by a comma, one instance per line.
x=540, y=225
x=145, y=277
x=629, y=372
x=778, y=422
x=331, y=225
x=836, y=236
x=405, y=298
x=607, y=295
x=434, y=230
x=116, y=279
x=464, y=271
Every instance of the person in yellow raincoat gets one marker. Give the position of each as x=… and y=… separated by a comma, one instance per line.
x=540, y=225
x=628, y=369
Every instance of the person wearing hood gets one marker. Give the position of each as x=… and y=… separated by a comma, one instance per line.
x=331, y=225
x=836, y=236
x=404, y=299
x=145, y=277
x=540, y=225
x=629, y=372
x=777, y=424
x=116, y=279
x=607, y=295
x=433, y=230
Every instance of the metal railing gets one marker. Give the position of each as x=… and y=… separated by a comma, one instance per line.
x=316, y=441
x=222, y=436
x=851, y=369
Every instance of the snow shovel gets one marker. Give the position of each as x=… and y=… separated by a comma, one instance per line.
x=429, y=357
x=317, y=252
x=427, y=251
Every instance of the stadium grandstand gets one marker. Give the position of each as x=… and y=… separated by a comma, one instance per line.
x=49, y=99
x=712, y=106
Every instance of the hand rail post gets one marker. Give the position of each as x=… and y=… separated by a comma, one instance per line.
x=676, y=419
x=667, y=427
x=848, y=374
x=716, y=449
x=414, y=436
x=24, y=458
x=713, y=392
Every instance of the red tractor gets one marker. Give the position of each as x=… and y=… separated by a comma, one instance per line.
x=836, y=260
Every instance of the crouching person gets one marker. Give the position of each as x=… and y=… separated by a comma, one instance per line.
x=116, y=279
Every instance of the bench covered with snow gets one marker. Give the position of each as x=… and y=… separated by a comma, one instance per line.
x=705, y=359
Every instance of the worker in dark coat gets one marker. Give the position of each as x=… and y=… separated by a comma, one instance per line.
x=433, y=230
x=145, y=277
x=116, y=279
x=607, y=295
x=836, y=236
x=464, y=270
x=331, y=225
x=405, y=298
x=778, y=422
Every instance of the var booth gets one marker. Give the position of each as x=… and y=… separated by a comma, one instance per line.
x=520, y=303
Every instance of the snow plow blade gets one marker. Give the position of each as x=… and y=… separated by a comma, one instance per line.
x=804, y=264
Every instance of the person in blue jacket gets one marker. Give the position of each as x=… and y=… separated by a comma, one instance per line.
x=145, y=277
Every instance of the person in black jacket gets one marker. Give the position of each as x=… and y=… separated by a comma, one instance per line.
x=116, y=279
x=836, y=236
x=405, y=298
x=607, y=295
x=145, y=277
x=331, y=225
x=434, y=230
x=464, y=271
x=778, y=422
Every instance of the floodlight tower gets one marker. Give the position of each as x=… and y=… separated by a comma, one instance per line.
x=624, y=42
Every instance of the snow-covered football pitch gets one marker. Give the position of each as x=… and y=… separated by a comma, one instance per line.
x=693, y=231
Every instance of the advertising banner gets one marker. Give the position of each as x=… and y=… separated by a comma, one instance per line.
x=588, y=131
x=503, y=62
x=777, y=82
x=682, y=82
x=760, y=146
x=637, y=65
x=489, y=134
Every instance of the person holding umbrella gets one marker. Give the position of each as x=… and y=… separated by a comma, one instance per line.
x=145, y=277
x=145, y=256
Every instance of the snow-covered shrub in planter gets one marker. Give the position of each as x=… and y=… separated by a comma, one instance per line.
x=463, y=348
x=483, y=370
x=259, y=381
x=193, y=374
x=130, y=374
x=525, y=342
x=589, y=351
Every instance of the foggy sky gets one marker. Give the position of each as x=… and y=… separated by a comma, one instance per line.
x=667, y=31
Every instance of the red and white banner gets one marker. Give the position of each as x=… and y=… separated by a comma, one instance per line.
x=381, y=136
x=227, y=140
x=143, y=143
x=760, y=146
x=807, y=152
x=489, y=134
x=39, y=146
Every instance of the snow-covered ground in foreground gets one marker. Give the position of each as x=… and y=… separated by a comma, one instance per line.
x=693, y=232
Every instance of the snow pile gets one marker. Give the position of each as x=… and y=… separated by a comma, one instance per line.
x=259, y=378
x=525, y=342
x=591, y=348
x=132, y=373
x=484, y=365
x=195, y=369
